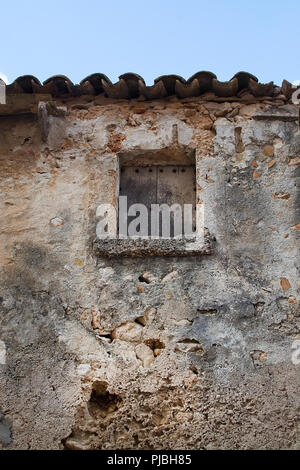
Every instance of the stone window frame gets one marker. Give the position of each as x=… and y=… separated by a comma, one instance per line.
x=113, y=246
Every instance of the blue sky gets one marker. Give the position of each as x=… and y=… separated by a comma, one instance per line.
x=152, y=38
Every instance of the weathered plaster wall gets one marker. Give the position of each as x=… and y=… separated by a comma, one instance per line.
x=161, y=352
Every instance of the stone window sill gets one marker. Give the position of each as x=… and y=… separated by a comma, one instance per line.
x=141, y=247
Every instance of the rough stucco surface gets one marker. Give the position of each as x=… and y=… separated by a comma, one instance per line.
x=153, y=352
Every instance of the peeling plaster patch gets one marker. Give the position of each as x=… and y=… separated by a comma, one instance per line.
x=106, y=273
x=185, y=134
x=170, y=276
x=83, y=369
x=57, y=222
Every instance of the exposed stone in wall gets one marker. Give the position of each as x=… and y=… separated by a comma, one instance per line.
x=151, y=352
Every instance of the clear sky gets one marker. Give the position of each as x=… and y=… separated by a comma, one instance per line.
x=152, y=38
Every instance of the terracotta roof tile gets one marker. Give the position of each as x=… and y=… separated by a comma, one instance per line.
x=132, y=85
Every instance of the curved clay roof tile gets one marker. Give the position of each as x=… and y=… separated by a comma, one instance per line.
x=287, y=89
x=153, y=92
x=204, y=79
x=243, y=79
x=58, y=85
x=169, y=82
x=26, y=83
x=132, y=81
x=185, y=90
x=131, y=76
x=92, y=83
x=117, y=91
x=261, y=89
x=225, y=89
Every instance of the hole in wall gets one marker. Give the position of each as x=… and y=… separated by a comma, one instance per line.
x=208, y=311
x=154, y=344
x=194, y=369
x=142, y=278
x=102, y=402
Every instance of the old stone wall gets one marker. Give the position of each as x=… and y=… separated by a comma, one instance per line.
x=151, y=352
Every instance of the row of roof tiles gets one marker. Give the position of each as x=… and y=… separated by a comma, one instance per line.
x=131, y=85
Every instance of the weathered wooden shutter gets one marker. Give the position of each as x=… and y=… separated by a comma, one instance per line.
x=159, y=185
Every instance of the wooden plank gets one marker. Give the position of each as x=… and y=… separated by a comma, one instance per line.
x=139, y=184
x=177, y=185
